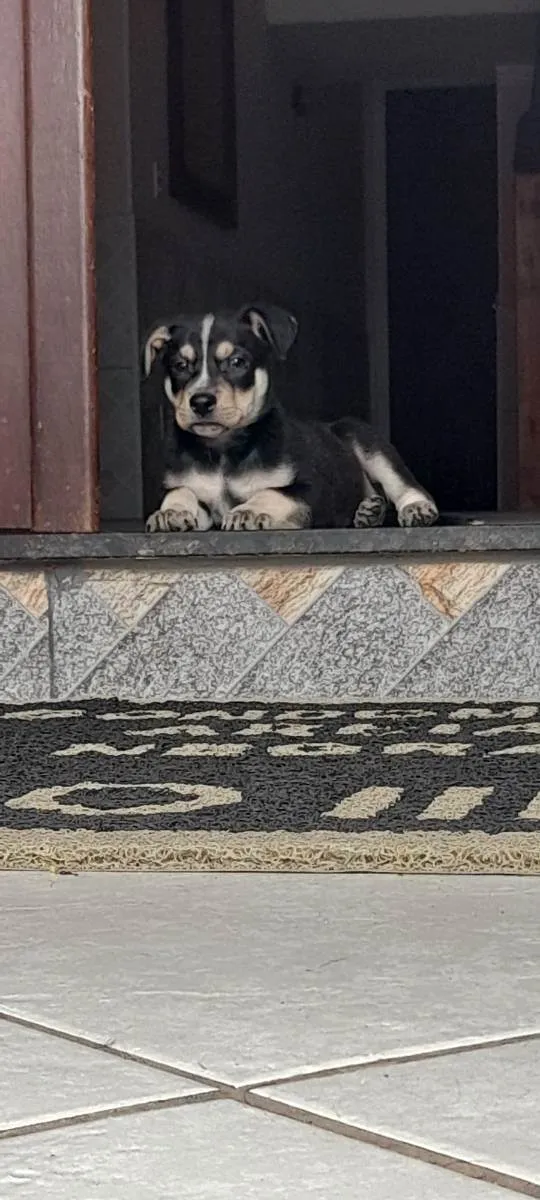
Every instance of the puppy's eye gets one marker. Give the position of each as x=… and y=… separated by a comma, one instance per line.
x=237, y=361
x=183, y=364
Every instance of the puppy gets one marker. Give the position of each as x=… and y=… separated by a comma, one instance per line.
x=236, y=460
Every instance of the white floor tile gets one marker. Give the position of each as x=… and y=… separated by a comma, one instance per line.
x=215, y=1150
x=43, y=1077
x=245, y=977
x=482, y=1106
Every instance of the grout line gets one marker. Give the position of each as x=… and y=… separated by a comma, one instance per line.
x=235, y=1090
x=289, y=625
x=74, y=693
x=247, y=1095
x=386, y=695
x=382, y=1141
x=80, y=1039
x=228, y=693
x=127, y=629
x=88, y=1116
x=303, y=1116
x=51, y=586
x=15, y=666
x=452, y=622
x=240, y=1090
x=446, y=1050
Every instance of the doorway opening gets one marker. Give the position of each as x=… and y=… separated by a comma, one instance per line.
x=379, y=225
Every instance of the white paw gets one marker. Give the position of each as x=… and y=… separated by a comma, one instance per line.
x=420, y=512
x=370, y=513
x=172, y=520
x=244, y=518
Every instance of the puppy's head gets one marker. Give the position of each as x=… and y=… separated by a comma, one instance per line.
x=217, y=368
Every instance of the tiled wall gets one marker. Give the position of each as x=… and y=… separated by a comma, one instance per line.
x=447, y=631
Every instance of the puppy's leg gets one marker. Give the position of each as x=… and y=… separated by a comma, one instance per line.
x=414, y=506
x=372, y=510
x=269, y=509
x=179, y=513
x=383, y=465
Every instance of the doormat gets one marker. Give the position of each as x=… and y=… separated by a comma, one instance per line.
x=180, y=786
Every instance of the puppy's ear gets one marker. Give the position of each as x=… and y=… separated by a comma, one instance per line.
x=273, y=325
x=152, y=347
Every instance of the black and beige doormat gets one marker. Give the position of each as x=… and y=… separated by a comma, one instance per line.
x=105, y=785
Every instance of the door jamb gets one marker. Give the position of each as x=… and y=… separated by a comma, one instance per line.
x=376, y=259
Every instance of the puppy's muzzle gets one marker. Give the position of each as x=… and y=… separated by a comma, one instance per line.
x=202, y=404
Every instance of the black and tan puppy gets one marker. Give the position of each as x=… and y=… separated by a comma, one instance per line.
x=236, y=460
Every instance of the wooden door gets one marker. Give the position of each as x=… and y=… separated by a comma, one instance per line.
x=15, y=446
x=48, y=435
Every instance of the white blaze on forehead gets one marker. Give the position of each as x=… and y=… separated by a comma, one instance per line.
x=203, y=378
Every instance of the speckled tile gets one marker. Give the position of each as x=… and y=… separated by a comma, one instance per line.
x=83, y=630
x=453, y=588
x=354, y=641
x=251, y=977
x=481, y=1106
x=44, y=1077
x=30, y=678
x=129, y=672
x=291, y=592
x=202, y=634
x=492, y=653
x=128, y=594
x=18, y=632
x=213, y=1150
x=29, y=588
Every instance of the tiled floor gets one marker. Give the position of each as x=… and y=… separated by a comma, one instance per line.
x=236, y=1036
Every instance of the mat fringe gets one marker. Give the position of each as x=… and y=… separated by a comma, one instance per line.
x=396, y=853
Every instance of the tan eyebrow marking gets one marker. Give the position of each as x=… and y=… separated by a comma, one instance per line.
x=188, y=352
x=224, y=350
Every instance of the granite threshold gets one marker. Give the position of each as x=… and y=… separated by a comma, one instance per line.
x=471, y=536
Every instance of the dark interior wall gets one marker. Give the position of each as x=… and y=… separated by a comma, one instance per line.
x=467, y=47
x=459, y=52
x=299, y=238
x=300, y=233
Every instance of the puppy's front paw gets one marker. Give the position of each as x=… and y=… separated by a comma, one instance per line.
x=172, y=520
x=420, y=512
x=245, y=518
x=370, y=513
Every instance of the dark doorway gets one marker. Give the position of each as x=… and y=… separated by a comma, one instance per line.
x=443, y=267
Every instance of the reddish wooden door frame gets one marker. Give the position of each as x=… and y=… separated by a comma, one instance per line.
x=15, y=439
x=49, y=318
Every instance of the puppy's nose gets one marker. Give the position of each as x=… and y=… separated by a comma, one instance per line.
x=202, y=403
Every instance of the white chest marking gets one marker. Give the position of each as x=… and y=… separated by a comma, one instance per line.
x=208, y=486
x=247, y=484
x=220, y=494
